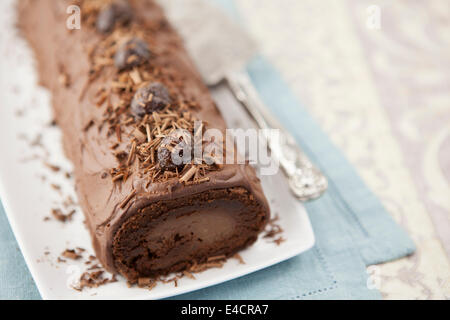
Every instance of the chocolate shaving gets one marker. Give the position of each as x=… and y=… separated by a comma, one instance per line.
x=118, y=133
x=127, y=199
x=56, y=187
x=52, y=167
x=189, y=174
x=272, y=230
x=147, y=283
x=88, y=125
x=135, y=76
x=279, y=240
x=215, y=258
x=149, y=133
x=188, y=274
x=239, y=258
x=139, y=135
x=132, y=153
x=94, y=279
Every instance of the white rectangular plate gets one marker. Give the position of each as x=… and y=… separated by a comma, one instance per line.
x=25, y=113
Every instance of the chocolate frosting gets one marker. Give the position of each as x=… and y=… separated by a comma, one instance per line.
x=57, y=50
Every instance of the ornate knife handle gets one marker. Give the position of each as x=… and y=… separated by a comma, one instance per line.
x=305, y=180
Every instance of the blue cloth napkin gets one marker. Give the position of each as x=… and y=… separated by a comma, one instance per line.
x=15, y=279
x=352, y=228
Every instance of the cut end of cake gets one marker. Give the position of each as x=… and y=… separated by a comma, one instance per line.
x=172, y=236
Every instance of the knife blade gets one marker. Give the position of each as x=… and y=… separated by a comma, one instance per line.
x=221, y=50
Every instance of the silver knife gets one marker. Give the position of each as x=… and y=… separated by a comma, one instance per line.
x=221, y=50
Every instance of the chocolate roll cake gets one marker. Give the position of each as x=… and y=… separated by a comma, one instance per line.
x=123, y=87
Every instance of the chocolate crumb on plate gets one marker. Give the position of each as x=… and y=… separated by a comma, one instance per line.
x=52, y=167
x=71, y=254
x=60, y=216
x=93, y=279
x=239, y=258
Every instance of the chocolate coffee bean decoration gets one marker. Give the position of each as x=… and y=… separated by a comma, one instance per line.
x=175, y=151
x=151, y=97
x=132, y=53
x=116, y=13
